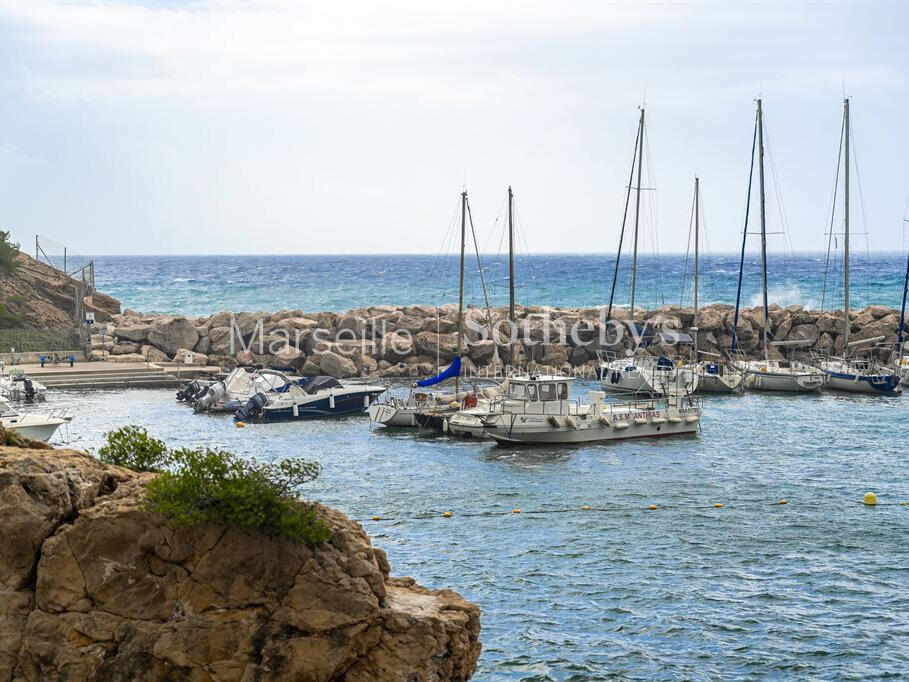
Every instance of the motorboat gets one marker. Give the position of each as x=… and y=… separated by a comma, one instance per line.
x=904, y=370
x=17, y=385
x=538, y=410
x=40, y=427
x=308, y=398
x=232, y=392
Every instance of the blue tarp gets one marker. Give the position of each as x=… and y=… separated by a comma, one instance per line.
x=453, y=370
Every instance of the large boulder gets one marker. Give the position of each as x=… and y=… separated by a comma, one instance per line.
x=290, y=357
x=197, y=359
x=133, y=332
x=95, y=587
x=337, y=366
x=170, y=335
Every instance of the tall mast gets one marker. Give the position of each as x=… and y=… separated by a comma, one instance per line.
x=510, y=256
x=846, y=323
x=899, y=345
x=766, y=332
x=697, y=218
x=637, y=212
x=461, y=282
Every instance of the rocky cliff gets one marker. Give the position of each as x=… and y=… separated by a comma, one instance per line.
x=38, y=296
x=393, y=341
x=93, y=587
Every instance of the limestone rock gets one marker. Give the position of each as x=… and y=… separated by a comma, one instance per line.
x=290, y=357
x=152, y=354
x=170, y=335
x=337, y=365
x=200, y=359
x=95, y=587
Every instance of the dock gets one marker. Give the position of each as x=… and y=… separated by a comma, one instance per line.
x=111, y=375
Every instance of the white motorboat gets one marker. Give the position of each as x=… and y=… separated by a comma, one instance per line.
x=782, y=375
x=35, y=426
x=232, y=392
x=17, y=385
x=904, y=370
x=538, y=410
x=312, y=397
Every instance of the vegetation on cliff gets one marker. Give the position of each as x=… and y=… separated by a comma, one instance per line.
x=198, y=486
x=8, y=252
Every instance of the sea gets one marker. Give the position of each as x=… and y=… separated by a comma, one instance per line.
x=202, y=285
x=817, y=588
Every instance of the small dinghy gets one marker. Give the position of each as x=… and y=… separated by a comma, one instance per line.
x=309, y=398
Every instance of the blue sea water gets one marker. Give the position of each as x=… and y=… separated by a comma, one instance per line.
x=201, y=285
x=814, y=589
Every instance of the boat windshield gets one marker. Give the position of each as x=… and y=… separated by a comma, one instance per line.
x=547, y=392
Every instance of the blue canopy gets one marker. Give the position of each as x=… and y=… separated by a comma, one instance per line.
x=453, y=370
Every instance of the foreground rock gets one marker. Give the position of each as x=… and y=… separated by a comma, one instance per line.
x=94, y=587
x=394, y=341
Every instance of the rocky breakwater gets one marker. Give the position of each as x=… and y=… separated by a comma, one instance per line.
x=395, y=341
x=93, y=586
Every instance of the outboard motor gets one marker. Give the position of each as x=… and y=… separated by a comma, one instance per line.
x=188, y=391
x=29, y=389
x=252, y=409
x=209, y=397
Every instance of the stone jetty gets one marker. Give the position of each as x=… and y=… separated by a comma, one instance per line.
x=401, y=341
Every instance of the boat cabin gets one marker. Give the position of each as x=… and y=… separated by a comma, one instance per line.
x=543, y=388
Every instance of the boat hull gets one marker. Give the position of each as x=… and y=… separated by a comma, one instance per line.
x=36, y=428
x=872, y=385
x=389, y=415
x=540, y=430
x=714, y=383
x=329, y=406
x=784, y=382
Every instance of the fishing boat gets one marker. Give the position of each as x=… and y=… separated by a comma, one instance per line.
x=538, y=410
x=855, y=374
x=309, y=398
x=640, y=373
x=713, y=373
x=768, y=374
x=17, y=385
x=40, y=427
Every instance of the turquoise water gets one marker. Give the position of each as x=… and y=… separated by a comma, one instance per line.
x=815, y=589
x=200, y=285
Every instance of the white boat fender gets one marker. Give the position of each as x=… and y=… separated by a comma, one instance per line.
x=571, y=423
x=553, y=422
x=675, y=420
x=640, y=421
x=692, y=419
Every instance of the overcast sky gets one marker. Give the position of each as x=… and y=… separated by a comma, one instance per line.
x=340, y=127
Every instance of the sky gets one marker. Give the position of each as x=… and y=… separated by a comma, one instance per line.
x=352, y=127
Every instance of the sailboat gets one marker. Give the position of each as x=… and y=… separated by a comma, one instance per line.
x=856, y=375
x=903, y=360
x=767, y=374
x=640, y=373
x=714, y=374
x=428, y=409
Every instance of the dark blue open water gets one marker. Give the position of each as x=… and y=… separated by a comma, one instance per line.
x=200, y=285
x=816, y=589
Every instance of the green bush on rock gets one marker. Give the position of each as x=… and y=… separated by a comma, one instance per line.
x=8, y=252
x=213, y=486
x=133, y=448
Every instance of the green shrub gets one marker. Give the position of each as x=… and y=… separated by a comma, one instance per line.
x=8, y=252
x=133, y=448
x=213, y=486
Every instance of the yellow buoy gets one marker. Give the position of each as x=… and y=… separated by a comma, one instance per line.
x=784, y=501
x=586, y=507
x=870, y=499
x=447, y=515
x=376, y=518
x=515, y=511
x=718, y=505
x=240, y=425
x=652, y=507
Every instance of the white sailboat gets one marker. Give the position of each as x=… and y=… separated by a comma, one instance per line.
x=538, y=410
x=714, y=374
x=36, y=426
x=769, y=374
x=640, y=373
x=855, y=375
